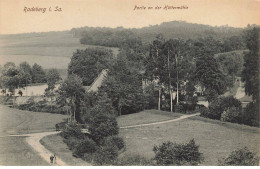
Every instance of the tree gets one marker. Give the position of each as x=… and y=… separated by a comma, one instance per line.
x=52, y=77
x=170, y=63
x=88, y=63
x=231, y=63
x=71, y=91
x=38, y=74
x=209, y=76
x=10, y=77
x=250, y=73
x=123, y=86
x=25, y=73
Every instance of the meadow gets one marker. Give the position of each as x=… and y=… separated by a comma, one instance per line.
x=216, y=139
x=50, y=50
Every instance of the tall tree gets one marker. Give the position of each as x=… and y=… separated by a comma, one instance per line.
x=123, y=86
x=25, y=73
x=10, y=77
x=88, y=63
x=209, y=76
x=38, y=74
x=52, y=77
x=250, y=73
x=72, y=92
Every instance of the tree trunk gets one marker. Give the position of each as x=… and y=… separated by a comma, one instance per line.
x=159, y=100
x=177, y=94
x=120, y=109
x=171, y=101
x=169, y=76
x=177, y=79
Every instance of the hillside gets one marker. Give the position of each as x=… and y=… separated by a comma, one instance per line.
x=54, y=49
x=49, y=49
x=173, y=29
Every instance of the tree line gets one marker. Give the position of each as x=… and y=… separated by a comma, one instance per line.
x=13, y=77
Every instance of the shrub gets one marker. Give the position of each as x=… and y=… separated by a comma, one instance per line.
x=114, y=141
x=250, y=115
x=72, y=130
x=204, y=111
x=232, y=114
x=178, y=154
x=103, y=125
x=179, y=108
x=71, y=142
x=133, y=160
x=240, y=157
x=221, y=104
x=61, y=126
x=105, y=155
x=83, y=146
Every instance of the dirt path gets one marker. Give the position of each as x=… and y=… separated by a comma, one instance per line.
x=161, y=122
x=34, y=141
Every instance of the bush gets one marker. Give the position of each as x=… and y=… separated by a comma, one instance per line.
x=114, y=141
x=232, y=114
x=103, y=125
x=61, y=126
x=133, y=160
x=221, y=104
x=179, y=108
x=105, y=155
x=71, y=142
x=84, y=146
x=178, y=154
x=72, y=130
x=250, y=115
x=240, y=157
x=204, y=111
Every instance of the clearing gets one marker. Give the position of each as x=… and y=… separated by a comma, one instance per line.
x=216, y=139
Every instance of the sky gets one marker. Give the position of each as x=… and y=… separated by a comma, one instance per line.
x=114, y=13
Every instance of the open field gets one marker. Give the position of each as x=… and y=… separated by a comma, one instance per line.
x=13, y=149
x=147, y=116
x=216, y=139
x=14, y=121
x=50, y=50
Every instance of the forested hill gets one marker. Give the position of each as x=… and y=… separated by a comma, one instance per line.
x=173, y=29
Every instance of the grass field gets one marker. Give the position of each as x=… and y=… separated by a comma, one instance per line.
x=15, y=150
x=55, y=144
x=216, y=139
x=148, y=116
x=14, y=121
x=50, y=50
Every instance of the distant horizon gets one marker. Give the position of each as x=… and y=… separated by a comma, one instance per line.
x=130, y=27
x=16, y=19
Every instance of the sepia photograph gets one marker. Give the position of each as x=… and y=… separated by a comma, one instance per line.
x=129, y=83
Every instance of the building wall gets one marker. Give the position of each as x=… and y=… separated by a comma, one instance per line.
x=32, y=90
